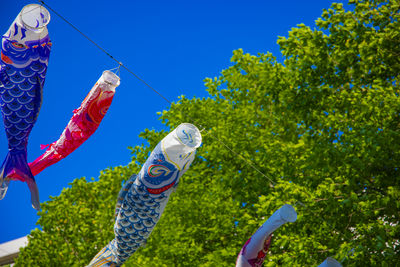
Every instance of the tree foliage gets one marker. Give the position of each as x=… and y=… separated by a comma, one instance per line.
x=319, y=131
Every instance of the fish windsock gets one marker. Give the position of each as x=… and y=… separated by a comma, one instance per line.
x=25, y=51
x=143, y=198
x=254, y=250
x=330, y=262
x=83, y=124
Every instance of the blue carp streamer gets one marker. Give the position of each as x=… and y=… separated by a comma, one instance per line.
x=25, y=51
x=143, y=198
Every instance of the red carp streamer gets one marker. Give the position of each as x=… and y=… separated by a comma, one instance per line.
x=83, y=124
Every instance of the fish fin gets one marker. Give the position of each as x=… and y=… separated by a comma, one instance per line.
x=122, y=193
x=105, y=257
x=2, y=174
x=34, y=194
x=17, y=161
x=5, y=169
x=42, y=147
x=3, y=188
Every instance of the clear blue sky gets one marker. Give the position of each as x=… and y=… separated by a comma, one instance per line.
x=172, y=45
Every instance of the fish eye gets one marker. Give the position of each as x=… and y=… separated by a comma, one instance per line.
x=18, y=45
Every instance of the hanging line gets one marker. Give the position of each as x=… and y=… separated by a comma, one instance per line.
x=104, y=51
x=272, y=185
x=117, y=70
x=149, y=86
x=207, y=132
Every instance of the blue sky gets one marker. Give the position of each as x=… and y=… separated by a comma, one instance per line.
x=172, y=45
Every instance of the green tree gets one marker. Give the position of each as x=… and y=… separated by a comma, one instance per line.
x=319, y=131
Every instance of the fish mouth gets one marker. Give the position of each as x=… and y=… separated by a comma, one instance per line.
x=34, y=17
x=6, y=59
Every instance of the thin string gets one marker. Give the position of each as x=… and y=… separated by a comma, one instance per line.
x=243, y=158
x=149, y=86
x=117, y=70
x=249, y=163
x=104, y=51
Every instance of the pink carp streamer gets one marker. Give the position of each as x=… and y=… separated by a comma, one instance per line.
x=256, y=248
x=83, y=124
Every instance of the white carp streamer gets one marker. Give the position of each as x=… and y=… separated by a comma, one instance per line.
x=143, y=198
x=255, y=249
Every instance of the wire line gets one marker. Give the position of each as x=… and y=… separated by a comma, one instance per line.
x=248, y=162
x=149, y=86
x=104, y=51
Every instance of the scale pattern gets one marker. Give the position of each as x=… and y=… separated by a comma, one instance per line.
x=83, y=124
x=21, y=97
x=23, y=66
x=140, y=205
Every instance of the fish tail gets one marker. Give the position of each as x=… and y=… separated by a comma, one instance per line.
x=105, y=257
x=4, y=180
x=17, y=161
x=3, y=188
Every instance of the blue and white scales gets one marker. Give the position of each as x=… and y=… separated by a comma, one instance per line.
x=143, y=198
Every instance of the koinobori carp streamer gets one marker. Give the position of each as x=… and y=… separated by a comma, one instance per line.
x=255, y=249
x=83, y=124
x=144, y=196
x=25, y=51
